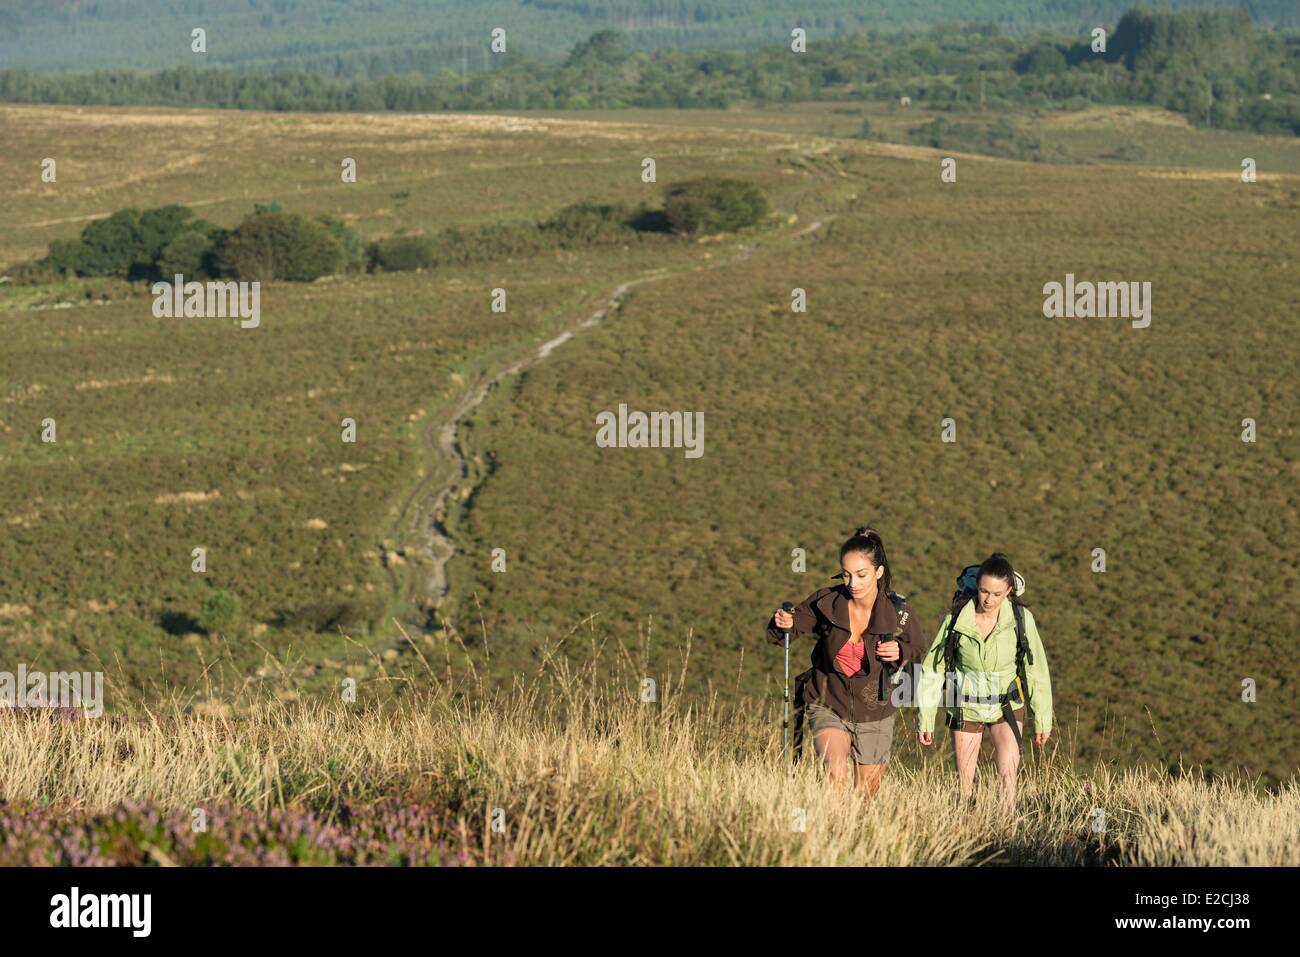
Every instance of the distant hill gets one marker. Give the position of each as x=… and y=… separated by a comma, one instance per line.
x=380, y=37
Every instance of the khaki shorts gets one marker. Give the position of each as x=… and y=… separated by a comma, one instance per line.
x=979, y=726
x=869, y=740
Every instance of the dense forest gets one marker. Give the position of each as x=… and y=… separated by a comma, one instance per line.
x=1216, y=67
x=383, y=37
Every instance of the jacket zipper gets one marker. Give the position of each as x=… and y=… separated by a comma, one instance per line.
x=848, y=686
x=853, y=714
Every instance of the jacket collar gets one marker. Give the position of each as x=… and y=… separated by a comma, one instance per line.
x=835, y=606
x=966, y=618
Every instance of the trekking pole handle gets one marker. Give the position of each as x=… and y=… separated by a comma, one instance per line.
x=787, y=607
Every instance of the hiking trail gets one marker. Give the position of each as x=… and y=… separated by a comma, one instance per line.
x=419, y=524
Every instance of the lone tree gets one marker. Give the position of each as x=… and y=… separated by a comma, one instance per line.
x=713, y=204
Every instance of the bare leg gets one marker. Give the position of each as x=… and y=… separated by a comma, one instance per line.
x=1007, y=758
x=966, y=753
x=869, y=776
x=833, y=746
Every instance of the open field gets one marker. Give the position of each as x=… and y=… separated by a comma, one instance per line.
x=457, y=168
x=181, y=434
x=925, y=301
x=1111, y=135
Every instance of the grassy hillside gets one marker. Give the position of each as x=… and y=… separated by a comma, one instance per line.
x=175, y=434
x=925, y=301
x=1110, y=135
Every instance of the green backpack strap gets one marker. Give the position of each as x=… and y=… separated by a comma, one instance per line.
x=1023, y=650
x=1017, y=694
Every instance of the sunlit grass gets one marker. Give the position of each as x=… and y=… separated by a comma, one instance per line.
x=576, y=769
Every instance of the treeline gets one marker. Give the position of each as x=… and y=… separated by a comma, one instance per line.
x=377, y=38
x=1214, y=66
x=271, y=244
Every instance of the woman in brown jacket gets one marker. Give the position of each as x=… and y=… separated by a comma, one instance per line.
x=865, y=633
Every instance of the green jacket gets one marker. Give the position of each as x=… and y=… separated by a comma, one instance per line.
x=987, y=669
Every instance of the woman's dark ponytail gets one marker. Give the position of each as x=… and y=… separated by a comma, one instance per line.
x=866, y=539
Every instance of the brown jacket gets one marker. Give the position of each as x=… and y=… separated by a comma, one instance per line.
x=825, y=614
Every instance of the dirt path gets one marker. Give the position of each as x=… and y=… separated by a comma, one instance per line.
x=419, y=526
x=90, y=216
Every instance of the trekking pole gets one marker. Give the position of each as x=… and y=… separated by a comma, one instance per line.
x=785, y=720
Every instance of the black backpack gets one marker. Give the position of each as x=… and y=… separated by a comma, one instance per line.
x=1014, y=696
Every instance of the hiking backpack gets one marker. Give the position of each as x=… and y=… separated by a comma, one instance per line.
x=1015, y=695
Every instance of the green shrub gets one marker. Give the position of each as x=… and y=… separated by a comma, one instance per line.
x=713, y=204
x=457, y=246
x=587, y=223
x=581, y=224
x=126, y=244
x=221, y=612
x=401, y=253
x=354, y=249
x=67, y=257
x=191, y=254
x=158, y=228
x=35, y=272
x=111, y=246
x=269, y=246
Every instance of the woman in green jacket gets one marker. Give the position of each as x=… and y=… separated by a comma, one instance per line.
x=984, y=659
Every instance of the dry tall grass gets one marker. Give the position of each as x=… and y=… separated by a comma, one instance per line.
x=587, y=773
